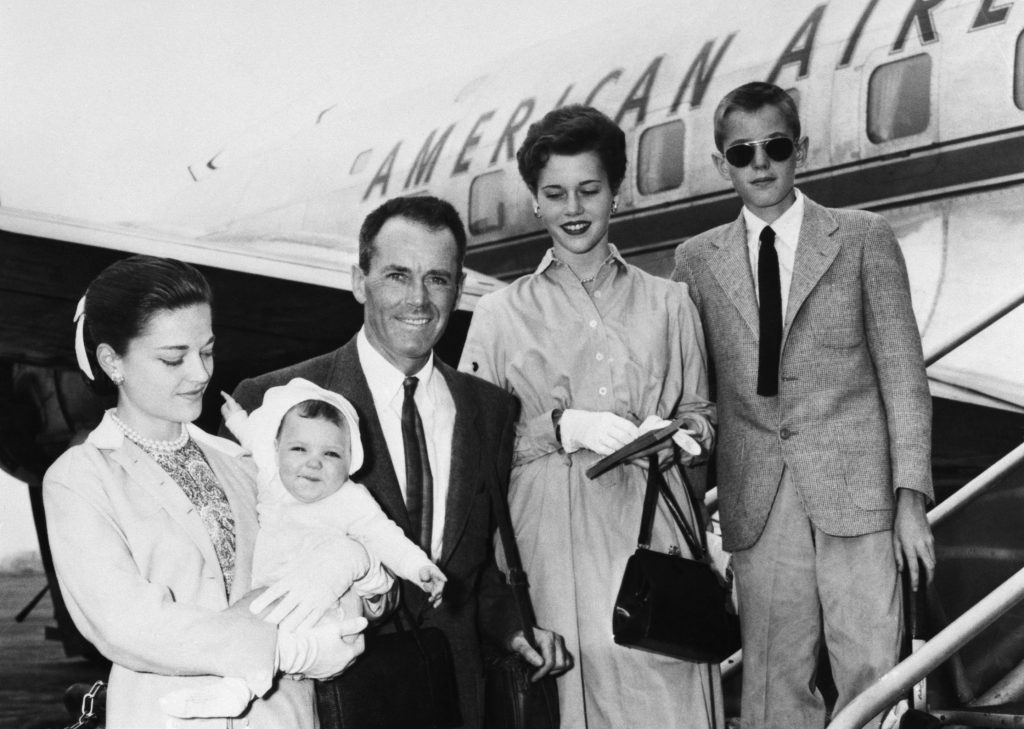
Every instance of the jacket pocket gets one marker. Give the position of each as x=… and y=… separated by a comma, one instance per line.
x=839, y=337
x=867, y=467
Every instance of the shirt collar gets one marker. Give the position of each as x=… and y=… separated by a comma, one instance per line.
x=786, y=227
x=383, y=378
x=550, y=258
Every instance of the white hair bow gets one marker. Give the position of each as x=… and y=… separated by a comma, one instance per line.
x=80, y=354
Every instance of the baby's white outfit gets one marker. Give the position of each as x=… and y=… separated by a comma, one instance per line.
x=291, y=530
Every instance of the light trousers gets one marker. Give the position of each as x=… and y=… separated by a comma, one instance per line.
x=797, y=584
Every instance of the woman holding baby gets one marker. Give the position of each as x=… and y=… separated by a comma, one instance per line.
x=153, y=523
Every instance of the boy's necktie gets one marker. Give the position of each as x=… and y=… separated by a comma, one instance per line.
x=419, y=483
x=770, y=306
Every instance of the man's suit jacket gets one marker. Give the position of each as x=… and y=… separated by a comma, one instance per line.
x=852, y=420
x=477, y=601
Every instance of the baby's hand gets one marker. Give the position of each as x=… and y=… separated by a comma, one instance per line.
x=230, y=407
x=432, y=581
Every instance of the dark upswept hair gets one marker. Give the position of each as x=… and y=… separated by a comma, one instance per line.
x=315, y=410
x=751, y=97
x=572, y=130
x=122, y=300
x=432, y=212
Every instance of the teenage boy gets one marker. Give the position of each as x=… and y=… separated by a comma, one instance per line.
x=824, y=414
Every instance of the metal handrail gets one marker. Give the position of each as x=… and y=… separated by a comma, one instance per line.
x=884, y=692
x=970, y=491
x=977, y=486
x=940, y=350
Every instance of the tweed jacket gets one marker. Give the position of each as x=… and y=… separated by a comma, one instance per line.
x=852, y=420
x=477, y=601
x=141, y=580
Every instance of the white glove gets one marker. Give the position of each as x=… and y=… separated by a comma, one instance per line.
x=321, y=652
x=313, y=585
x=682, y=437
x=601, y=432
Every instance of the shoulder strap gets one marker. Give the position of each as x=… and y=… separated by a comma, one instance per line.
x=517, y=578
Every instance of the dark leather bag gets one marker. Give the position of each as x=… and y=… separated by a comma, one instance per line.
x=511, y=700
x=404, y=680
x=668, y=603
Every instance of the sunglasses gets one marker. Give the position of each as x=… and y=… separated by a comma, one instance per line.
x=777, y=148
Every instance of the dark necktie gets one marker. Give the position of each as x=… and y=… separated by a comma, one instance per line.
x=419, y=483
x=770, y=295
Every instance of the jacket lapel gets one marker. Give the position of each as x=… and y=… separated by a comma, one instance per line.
x=243, y=507
x=465, y=462
x=378, y=472
x=730, y=265
x=142, y=470
x=815, y=252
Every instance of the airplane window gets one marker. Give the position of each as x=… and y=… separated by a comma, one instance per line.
x=1018, y=74
x=899, y=98
x=359, y=163
x=486, y=206
x=660, y=165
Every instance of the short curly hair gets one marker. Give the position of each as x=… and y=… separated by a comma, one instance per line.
x=572, y=130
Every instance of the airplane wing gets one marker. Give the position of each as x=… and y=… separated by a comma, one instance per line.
x=307, y=257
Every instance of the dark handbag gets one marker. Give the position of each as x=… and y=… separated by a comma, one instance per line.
x=404, y=680
x=668, y=603
x=511, y=700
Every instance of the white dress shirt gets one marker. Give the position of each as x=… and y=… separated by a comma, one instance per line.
x=787, y=235
x=437, y=411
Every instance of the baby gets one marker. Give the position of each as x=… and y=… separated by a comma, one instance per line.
x=305, y=443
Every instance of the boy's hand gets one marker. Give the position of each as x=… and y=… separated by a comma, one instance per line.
x=432, y=581
x=230, y=407
x=913, y=544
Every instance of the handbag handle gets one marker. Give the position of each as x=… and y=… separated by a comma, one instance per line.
x=656, y=484
x=517, y=578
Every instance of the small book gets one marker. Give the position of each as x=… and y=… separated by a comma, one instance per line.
x=645, y=441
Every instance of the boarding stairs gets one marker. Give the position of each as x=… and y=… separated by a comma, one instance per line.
x=970, y=670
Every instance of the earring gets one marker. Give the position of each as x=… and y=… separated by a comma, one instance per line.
x=117, y=378
x=615, y=206
x=536, y=211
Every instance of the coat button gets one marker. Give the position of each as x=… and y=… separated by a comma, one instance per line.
x=785, y=433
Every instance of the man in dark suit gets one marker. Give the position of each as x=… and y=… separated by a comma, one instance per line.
x=409, y=279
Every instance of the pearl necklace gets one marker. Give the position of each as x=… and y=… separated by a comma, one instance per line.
x=159, y=446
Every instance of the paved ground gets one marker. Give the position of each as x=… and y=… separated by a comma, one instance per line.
x=34, y=671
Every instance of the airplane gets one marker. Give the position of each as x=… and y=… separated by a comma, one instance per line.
x=913, y=109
